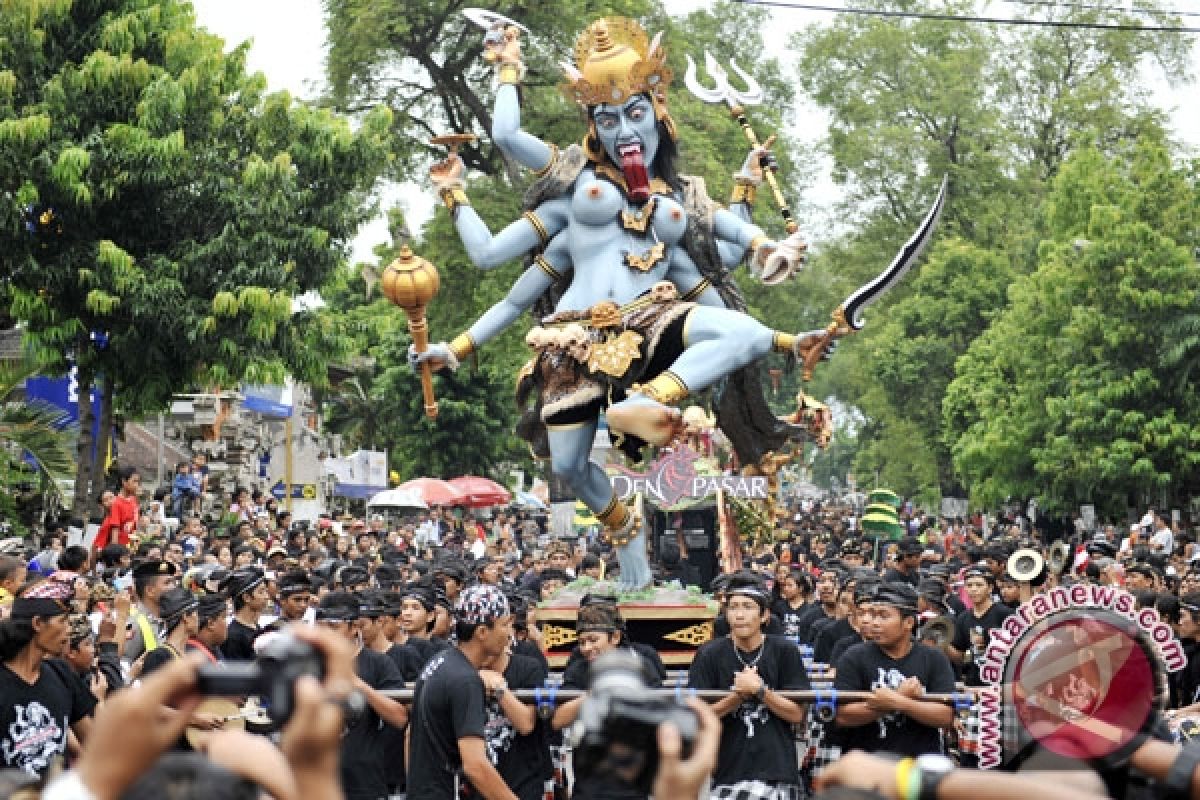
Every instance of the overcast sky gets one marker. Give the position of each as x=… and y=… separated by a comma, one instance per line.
x=289, y=46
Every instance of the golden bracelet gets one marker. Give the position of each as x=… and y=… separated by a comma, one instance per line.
x=743, y=193
x=453, y=198
x=538, y=226
x=696, y=290
x=508, y=73
x=553, y=160
x=545, y=266
x=462, y=346
x=757, y=242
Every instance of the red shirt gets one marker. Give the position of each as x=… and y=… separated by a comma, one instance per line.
x=122, y=518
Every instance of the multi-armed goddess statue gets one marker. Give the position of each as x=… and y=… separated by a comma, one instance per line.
x=628, y=273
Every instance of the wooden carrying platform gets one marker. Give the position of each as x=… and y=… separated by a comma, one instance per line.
x=675, y=631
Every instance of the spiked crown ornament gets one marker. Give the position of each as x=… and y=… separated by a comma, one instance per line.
x=614, y=61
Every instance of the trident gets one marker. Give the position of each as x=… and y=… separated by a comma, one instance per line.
x=725, y=93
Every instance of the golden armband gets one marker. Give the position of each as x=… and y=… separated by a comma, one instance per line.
x=453, y=198
x=462, y=346
x=743, y=193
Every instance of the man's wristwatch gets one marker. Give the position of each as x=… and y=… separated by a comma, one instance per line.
x=499, y=691
x=932, y=769
x=761, y=694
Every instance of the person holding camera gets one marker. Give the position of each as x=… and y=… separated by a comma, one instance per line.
x=757, y=756
x=446, y=734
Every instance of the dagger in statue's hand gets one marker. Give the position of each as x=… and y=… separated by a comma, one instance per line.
x=847, y=318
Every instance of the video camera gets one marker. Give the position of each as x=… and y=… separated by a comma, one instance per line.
x=616, y=732
x=281, y=661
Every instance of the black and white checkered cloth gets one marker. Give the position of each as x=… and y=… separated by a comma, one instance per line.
x=756, y=790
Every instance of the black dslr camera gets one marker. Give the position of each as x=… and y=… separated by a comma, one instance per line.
x=616, y=732
x=272, y=676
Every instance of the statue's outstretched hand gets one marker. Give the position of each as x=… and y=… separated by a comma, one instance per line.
x=774, y=262
x=502, y=45
x=448, y=174
x=436, y=355
x=815, y=346
x=756, y=160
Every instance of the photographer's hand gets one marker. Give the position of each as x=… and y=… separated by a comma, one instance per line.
x=677, y=778
x=131, y=731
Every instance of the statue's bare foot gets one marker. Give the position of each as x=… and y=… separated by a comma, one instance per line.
x=647, y=419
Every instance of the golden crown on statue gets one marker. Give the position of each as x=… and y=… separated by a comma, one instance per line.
x=615, y=61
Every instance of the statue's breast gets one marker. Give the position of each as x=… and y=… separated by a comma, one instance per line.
x=596, y=203
x=670, y=220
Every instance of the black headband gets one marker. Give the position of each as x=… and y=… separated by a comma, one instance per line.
x=30, y=607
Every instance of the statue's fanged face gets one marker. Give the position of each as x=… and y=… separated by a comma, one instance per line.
x=629, y=134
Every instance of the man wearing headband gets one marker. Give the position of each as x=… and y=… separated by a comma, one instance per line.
x=181, y=622
x=248, y=589
x=366, y=773
x=40, y=695
x=897, y=670
x=449, y=717
x=757, y=756
x=212, y=626
x=973, y=627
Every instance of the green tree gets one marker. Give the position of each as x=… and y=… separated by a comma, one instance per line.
x=997, y=110
x=1066, y=396
x=186, y=207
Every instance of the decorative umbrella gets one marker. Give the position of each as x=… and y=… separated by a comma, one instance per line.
x=434, y=492
x=481, y=492
x=394, y=498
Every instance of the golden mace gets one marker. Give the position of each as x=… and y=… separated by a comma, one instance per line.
x=410, y=282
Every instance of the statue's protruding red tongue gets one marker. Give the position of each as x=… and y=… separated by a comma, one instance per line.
x=634, y=169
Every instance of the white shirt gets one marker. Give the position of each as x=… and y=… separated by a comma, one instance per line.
x=1163, y=541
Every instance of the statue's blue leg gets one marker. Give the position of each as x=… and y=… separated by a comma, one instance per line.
x=570, y=446
x=716, y=342
x=719, y=341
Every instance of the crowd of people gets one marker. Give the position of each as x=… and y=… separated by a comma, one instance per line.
x=113, y=659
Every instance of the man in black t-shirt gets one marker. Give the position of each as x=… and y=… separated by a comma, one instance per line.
x=247, y=587
x=973, y=627
x=515, y=737
x=363, y=765
x=41, y=697
x=791, y=605
x=897, y=670
x=757, y=756
x=823, y=609
x=908, y=562
x=449, y=718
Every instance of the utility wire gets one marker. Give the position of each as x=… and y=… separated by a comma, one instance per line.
x=1166, y=12
x=1039, y=23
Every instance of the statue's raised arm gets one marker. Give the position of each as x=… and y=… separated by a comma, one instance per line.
x=529, y=233
x=502, y=47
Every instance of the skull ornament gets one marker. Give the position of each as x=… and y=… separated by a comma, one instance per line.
x=664, y=292
x=577, y=342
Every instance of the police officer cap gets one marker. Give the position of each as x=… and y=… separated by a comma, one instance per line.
x=149, y=569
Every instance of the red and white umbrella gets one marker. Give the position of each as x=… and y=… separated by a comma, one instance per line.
x=481, y=492
x=434, y=492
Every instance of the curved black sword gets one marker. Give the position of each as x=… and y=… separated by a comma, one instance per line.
x=847, y=318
